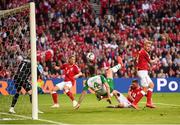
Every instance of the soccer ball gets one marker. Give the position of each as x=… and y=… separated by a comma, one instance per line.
x=90, y=56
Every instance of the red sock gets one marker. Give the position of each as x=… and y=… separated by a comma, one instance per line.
x=138, y=97
x=149, y=96
x=55, y=96
x=70, y=95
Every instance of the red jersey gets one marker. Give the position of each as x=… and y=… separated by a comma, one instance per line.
x=70, y=71
x=133, y=93
x=143, y=60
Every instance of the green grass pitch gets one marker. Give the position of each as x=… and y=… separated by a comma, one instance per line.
x=93, y=111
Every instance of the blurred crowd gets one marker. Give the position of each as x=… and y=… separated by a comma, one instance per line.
x=66, y=27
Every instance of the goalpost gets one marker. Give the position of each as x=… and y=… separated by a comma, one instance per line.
x=32, y=26
x=33, y=61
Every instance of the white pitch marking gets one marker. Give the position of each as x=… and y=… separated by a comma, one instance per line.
x=164, y=104
x=59, y=123
x=140, y=102
x=26, y=117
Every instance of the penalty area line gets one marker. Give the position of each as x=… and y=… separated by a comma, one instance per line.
x=166, y=104
x=26, y=117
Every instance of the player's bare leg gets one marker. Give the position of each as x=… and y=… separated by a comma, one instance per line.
x=116, y=106
x=116, y=94
x=80, y=99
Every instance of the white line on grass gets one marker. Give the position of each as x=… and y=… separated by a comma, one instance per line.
x=26, y=117
x=59, y=123
x=140, y=102
x=164, y=104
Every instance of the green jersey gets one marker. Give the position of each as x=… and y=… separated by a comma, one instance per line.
x=96, y=83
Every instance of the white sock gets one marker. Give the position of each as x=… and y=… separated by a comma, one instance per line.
x=116, y=68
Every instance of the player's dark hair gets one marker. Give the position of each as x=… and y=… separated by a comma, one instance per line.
x=91, y=69
x=135, y=81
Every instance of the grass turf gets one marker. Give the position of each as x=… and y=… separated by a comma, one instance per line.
x=93, y=111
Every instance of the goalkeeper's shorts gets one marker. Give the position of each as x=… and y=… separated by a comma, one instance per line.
x=27, y=86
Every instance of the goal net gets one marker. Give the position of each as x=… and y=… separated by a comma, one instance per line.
x=18, y=67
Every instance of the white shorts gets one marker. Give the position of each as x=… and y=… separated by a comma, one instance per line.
x=145, y=80
x=62, y=84
x=123, y=100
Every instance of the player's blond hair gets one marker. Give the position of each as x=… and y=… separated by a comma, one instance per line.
x=147, y=42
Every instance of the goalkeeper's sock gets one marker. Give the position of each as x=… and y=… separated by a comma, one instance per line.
x=30, y=98
x=15, y=98
x=55, y=97
x=149, y=96
x=70, y=95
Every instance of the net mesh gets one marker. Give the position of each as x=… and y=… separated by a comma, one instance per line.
x=14, y=46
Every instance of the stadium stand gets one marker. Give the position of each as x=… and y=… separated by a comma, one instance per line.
x=66, y=27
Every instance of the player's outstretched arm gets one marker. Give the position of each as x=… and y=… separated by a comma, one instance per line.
x=108, y=93
x=108, y=90
x=129, y=96
x=80, y=99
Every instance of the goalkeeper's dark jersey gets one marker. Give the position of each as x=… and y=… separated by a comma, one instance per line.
x=21, y=78
x=23, y=72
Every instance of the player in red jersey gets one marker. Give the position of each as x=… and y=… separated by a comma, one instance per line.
x=133, y=91
x=143, y=61
x=71, y=72
x=124, y=102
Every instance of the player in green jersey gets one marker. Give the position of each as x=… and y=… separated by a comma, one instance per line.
x=103, y=87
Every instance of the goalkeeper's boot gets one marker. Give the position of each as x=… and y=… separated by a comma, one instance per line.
x=55, y=106
x=11, y=110
x=74, y=103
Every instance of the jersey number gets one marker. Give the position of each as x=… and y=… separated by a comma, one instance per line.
x=22, y=66
x=96, y=85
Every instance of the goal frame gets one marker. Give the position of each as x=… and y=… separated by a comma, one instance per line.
x=33, y=61
x=32, y=19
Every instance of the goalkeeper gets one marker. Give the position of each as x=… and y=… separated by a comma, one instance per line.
x=21, y=80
